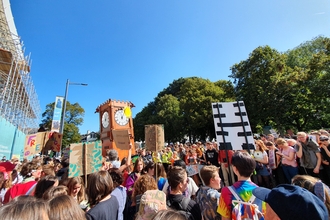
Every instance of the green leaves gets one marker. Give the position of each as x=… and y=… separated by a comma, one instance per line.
x=73, y=118
x=185, y=108
x=285, y=88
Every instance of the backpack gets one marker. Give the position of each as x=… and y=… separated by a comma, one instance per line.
x=245, y=210
x=181, y=207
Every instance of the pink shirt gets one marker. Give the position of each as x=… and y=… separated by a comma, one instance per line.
x=286, y=152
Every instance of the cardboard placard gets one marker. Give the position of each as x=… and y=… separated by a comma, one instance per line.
x=154, y=137
x=34, y=143
x=85, y=158
x=76, y=160
x=121, y=139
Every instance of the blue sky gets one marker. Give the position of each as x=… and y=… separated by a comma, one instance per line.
x=132, y=49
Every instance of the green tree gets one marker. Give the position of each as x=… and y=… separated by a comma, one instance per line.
x=258, y=82
x=168, y=111
x=184, y=107
x=73, y=118
x=283, y=89
x=310, y=104
x=196, y=96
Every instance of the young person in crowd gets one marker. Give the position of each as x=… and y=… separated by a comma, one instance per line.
x=152, y=201
x=31, y=173
x=275, y=164
x=243, y=167
x=160, y=175
x=261, y=158
x=44, y=184
x=325, y=153
x=211, y=154
x=76, y=188
x=224, y=159
x=64, y=207
x=208, y=195
x=103, y=206
x=5, y=183
x=55, y=191
x=191, y=189
x=150, y=169
x=144, y=183
x=288, y=158
x=134, y=175
x=119, y=190
x=168, y=214
x=178, y=181
x=27, y=208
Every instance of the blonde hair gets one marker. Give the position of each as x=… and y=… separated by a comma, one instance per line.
x=208, y=172
x=72, y=182
x=48, y=169
x=281, y=141
x=302, y=134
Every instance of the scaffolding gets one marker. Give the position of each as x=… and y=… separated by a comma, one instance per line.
x=19, y=104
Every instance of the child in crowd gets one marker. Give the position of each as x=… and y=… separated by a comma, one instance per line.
x=243, y=166
x=208, y=195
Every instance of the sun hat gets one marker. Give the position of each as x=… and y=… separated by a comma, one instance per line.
x=292, y=202
x=151, y=202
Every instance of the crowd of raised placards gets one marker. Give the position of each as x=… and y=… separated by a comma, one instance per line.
x=182, y=181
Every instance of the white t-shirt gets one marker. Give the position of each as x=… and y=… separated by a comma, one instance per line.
x=192, y=188
x=259, y=155
x=2, y=194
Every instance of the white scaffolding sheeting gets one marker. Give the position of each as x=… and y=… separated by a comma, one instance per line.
x=19, y=103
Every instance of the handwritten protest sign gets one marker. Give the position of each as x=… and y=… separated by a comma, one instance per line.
x=76, y=160
x=85, y=158
x=33, y=144
x=121, y=139
x=154, y=137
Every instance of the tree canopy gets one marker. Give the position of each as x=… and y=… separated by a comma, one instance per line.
x=73, y=118
x=184, y=107
x=286, y=90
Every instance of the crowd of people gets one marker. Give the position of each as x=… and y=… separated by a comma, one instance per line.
x=156, y=185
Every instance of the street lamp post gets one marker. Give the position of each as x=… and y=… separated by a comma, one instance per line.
x=64, y=106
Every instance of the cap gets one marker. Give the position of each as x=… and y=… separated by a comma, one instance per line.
x=324, y=138
x=151, y=202
x=8, y=166
x=292, y=202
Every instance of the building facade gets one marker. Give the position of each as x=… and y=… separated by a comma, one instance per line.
x=19, y=104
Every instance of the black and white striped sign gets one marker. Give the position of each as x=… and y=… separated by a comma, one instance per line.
x=232, y=126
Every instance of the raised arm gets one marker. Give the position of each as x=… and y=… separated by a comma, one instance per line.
x=128, y=161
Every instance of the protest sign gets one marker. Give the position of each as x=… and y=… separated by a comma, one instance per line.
x=231, y=122
x=154, y=137
x=85, y=158
x=121, y=139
